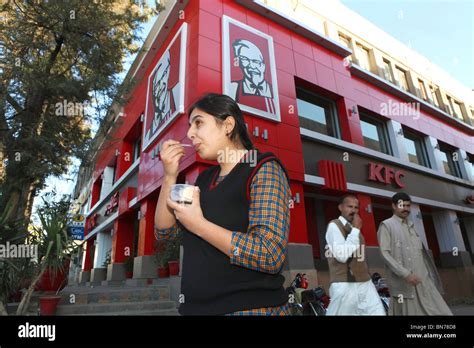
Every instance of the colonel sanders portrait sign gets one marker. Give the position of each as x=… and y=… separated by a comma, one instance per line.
x=249, y=75
x=165, y=93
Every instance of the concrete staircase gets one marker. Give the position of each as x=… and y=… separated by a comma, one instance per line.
x=123, y=300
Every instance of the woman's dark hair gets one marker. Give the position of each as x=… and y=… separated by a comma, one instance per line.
x=221, y=106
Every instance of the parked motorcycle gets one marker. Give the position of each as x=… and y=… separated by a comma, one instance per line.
x=382, y=289
x=305, y=301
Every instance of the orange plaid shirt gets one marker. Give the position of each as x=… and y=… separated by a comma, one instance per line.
x=263, y=247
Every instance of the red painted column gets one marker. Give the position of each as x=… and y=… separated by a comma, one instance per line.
x=125, y=159
x=146, y=236
x=89, y=258
x=96, y=187
x=122, y=240
x=313, y=233
x=298, y=230
x=349, y=121
x=369, y=230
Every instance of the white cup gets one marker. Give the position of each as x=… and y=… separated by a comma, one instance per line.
x=182, y=193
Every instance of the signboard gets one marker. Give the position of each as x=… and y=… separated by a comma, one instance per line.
x=165, y=93
x=112, y=205
x=249, y=71
x=77, y=232
x=385, y=174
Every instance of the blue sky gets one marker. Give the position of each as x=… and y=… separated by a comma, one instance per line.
x=441, y=30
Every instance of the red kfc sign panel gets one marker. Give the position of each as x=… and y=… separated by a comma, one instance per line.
x=165, y=93
x=249, y=72
x=385, y=174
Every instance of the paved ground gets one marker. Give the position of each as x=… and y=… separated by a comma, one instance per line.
x=464, y=309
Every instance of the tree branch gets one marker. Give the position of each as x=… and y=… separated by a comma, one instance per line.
x=14, y=103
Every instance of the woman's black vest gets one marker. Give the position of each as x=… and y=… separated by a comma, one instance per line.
x=211, y=285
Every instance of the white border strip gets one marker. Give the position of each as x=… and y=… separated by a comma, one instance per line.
x=132, y=202
x=313, y=179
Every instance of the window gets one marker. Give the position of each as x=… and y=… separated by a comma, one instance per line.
x=402, y=78
x=363, y=57
x=317, y=113
x=421, y=85
x=375, y=134
x=434, y=95
x=345, y=41
x=450, y=105
x=137, y=149
x=449, y=157
x=470, y=158
x=114, y=173
x=416, y=148
x=456, y=108
x=387, y=70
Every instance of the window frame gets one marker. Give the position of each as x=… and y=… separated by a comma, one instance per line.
x=435, y=97
x=346, y=41
x=309, y=97
x=420, y=147
x=388, y=63
x=405, y=74
x=137, y=149
x=454, y=166
x=470, y=160
x=359, y=49
x=423, y=93
x=382, y=132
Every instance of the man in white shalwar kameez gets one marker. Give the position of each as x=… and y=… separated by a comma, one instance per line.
x=352, y=291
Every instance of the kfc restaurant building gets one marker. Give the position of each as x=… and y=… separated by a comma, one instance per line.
x=338, y=124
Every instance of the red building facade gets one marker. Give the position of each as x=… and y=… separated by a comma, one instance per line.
x=325, y=155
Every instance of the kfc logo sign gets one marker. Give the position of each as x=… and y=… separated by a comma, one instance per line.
x=385, y=174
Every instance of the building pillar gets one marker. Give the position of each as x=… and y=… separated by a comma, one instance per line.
x=144, y=266
x=107, y=182
x=369, y=230
x=452, y=248
x=397, y=141
x=299, y=257
x=103, y=244
x=417, y=219
x=125, y=158
x=122, y=239
x=434, y=154
x=469, y=227
x=122, y=248
x=87, y=261
x=465, y=165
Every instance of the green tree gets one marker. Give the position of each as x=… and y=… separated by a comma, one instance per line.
x=56, y=57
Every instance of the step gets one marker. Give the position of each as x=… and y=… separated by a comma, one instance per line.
x=113, y=295
x=106, y=308
x=159, y=312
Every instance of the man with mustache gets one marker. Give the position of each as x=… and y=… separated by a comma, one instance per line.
x=412, y=275
x=253, y=90
x=352, y=291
